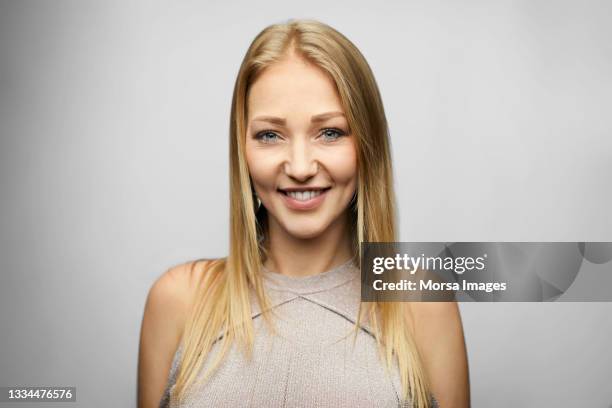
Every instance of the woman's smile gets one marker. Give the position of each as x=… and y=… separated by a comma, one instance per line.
x=304, y=199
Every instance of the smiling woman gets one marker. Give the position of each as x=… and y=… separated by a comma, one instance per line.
x=271, y=324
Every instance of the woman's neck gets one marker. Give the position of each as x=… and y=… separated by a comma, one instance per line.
x=298, y=257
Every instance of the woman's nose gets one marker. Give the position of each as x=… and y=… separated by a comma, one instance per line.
x=300, y=163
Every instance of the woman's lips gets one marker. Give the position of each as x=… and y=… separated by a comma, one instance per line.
x=299, y=205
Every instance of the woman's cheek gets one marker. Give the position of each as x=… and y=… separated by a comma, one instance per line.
x=263, y=177
x=343, y=166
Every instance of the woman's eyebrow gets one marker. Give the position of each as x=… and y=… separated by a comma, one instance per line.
x=325, y=116
x=322, y=117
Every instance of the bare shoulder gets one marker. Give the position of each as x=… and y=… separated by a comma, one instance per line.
x=424, y=312
x=167, y=306
x=173, y=294
x=438, y=332
x=431, y=321
x=180, y=283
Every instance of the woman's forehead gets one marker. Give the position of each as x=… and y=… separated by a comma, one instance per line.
x=293, y=85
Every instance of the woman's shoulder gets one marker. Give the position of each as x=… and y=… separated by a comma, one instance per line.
x=438, y=333
x=168, y=304
x=174, y=291
x=182, y=281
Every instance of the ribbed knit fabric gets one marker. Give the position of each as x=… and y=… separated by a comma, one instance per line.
x=311, y=362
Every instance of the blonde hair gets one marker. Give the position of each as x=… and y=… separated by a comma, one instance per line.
x=223, y=306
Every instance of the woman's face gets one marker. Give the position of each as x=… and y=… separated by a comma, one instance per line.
x=301, y=156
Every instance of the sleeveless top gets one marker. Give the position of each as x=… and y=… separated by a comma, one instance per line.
x=311, y=362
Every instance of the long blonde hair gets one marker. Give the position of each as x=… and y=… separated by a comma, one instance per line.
x=222, y=310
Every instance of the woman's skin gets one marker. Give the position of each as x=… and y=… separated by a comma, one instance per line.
x=298, y=137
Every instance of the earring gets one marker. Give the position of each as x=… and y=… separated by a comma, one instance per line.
x=258, y=204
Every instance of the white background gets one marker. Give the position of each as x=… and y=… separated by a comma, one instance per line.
x=114, y=167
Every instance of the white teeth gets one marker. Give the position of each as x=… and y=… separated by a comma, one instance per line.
x=304, y=195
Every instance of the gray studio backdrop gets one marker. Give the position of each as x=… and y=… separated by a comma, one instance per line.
x=114, y=156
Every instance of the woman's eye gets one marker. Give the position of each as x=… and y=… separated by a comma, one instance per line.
x=266, y=136
x=329, y=135
x=332, y=134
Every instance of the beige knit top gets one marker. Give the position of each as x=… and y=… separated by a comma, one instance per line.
x=311, y=361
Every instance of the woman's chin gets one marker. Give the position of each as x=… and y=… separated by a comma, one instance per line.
x=305, y=231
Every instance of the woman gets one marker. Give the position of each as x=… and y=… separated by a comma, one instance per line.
x=279, y=322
